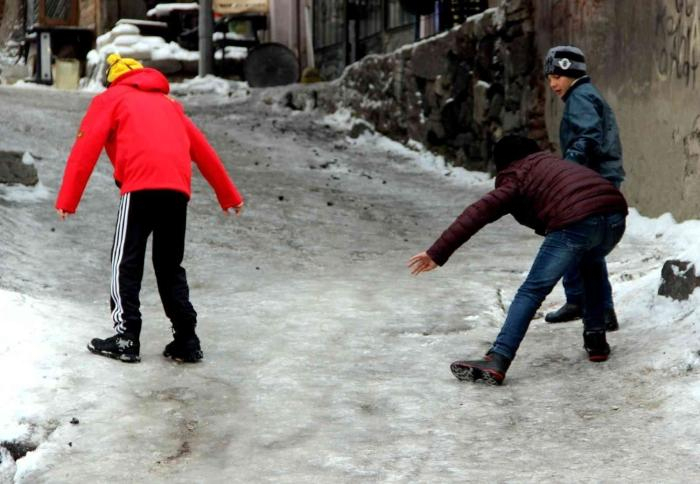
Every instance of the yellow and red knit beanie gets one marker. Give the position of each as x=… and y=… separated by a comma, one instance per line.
x=119, y=65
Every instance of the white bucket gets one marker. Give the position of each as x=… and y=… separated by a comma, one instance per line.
x=67, y=73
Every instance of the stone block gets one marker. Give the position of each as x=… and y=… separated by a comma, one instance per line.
x=14, y=169
x=430, y=58
x=512, y=121
x=678, y=280
x=360, y=128
x=520, y=56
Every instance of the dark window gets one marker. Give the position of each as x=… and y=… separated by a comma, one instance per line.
x=58, y=9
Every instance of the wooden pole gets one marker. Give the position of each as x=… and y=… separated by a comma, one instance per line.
x=98, y=17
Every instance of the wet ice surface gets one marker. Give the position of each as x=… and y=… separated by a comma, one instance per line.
x=324, y=360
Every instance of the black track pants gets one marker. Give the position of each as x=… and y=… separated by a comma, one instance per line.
x=163, y=213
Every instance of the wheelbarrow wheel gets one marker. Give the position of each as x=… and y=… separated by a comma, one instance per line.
x=271, y=64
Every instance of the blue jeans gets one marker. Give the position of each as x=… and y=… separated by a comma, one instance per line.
x=573, y=288
x=583, y=246
x=573, y=283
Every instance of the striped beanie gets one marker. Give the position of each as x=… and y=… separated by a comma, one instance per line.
x=565, y=60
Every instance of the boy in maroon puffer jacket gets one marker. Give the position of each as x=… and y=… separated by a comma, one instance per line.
x=582, y=217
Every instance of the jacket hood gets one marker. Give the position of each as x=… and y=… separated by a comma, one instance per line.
x=145, y=79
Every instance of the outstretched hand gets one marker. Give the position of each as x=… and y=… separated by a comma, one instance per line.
x=62, y=214
x=238, y=210
x=421, y=263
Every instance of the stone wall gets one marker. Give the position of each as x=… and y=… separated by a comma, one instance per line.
x=455, y=92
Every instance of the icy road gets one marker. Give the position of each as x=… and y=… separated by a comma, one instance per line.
x=325, y=361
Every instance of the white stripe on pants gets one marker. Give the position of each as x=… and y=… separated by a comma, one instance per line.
x=117, y=254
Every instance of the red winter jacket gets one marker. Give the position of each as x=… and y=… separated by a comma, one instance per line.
x=148, y=138
x=541, y=191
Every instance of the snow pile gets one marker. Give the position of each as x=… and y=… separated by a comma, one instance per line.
x=232, y=52
x=164, y=9
x=666, y=330
x=414, y=152
x=126, y=40
x=210, y=85
x=23, y=194
x=23, y=356
x=682, y=237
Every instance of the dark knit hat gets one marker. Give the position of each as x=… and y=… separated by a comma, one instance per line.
x=565, y=60
x=512, y=148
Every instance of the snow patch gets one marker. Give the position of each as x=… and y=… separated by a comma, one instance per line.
x=164, y=9
x=27, y=158
x=211, y=85
x=24, y=194
x=681, y=238
x=343, y=120
x=24, y=352
x=30, y=85
x=232, y=52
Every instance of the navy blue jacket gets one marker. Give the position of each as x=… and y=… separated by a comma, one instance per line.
x=588, y=132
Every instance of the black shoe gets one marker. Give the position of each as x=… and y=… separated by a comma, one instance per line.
x=568, y=312
x=184, y=349
x=596, y=345
x=610, y=319
x=124, y=347
x=492, y=369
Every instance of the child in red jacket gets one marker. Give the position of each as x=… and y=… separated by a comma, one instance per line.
x=151, y=144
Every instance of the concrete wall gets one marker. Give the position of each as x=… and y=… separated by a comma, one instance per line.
x=644, y=57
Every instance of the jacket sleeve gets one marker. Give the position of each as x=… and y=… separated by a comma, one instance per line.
x=585, y=120
x=211, y=167
x=489, y=208
x=92, y=135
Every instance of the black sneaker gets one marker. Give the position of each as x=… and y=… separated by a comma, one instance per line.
x=610, y=319
x=568, y=312
x=492, y=369
x=185, y=349
x=124, y=347
x=596, y=345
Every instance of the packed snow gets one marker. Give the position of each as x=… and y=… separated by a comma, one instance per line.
x=126, y=40
x=324, y=360
x=164, y=9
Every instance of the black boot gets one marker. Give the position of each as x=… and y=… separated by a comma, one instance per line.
x=610, y=319
x=184, y=348
x=568, y=312
x=492, y=369
x=596, y=345
x=124, y=347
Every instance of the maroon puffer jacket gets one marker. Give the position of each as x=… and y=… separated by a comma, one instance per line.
x=541, y=191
